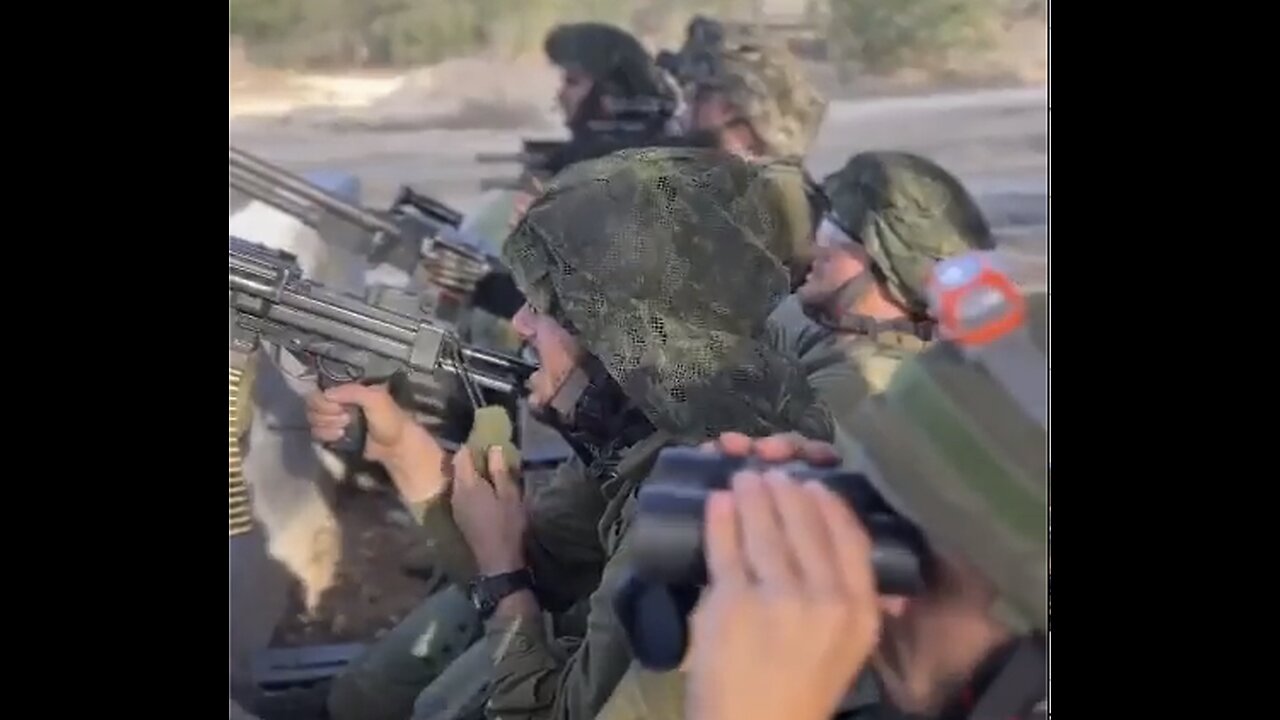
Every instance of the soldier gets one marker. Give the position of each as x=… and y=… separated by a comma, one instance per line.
x=611, y=95
x=859, y=313
x=957, y=448
x=861, y=309
x=636, y=352
x=752, y=98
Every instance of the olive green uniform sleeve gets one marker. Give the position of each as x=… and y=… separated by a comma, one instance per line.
x=645, y=695
x=532, y=680
x=562, y=546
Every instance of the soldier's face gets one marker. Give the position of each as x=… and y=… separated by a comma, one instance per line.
x=557, y=351
x=575, y=85
x=930, y=643
x=836, y=261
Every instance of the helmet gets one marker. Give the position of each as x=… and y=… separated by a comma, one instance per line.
x=958, y=444
x=766, y=84
x=908, y=213
x=658, y=261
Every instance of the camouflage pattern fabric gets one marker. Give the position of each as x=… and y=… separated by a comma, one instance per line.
x=951, y=449
x=657, y=260
x=803, y=205
x=909, y=213
x=767, y=85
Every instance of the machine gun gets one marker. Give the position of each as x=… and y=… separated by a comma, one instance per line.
x=348, y=339
x=417, y=233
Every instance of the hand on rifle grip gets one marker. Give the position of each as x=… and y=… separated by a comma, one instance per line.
x=356, y=431
x=354, y=436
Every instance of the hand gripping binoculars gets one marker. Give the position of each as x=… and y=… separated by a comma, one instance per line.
x=669, y=566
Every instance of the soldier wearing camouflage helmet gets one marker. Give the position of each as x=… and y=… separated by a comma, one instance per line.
x=862, y=309
x=649, y=284
x=749, y=96
x=957, y=448
x=957, y=444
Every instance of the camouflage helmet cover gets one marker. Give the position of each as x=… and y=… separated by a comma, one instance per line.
x=767, y=85
x=952, y=449
x=908, y=212
x=657, y=261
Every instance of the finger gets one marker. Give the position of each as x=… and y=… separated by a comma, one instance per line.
x=465, y=476
x=327, y=434
x=503, y=486
x=328, y=422
x=319, y=404
x=849, y=541
x=762, y=539
x=725, y=563
x=817, y=452
x=736, y=444
x=805, y=533
x=779, y=448
x=373, y=399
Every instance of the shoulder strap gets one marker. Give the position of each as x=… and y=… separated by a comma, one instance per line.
x=1019, y=688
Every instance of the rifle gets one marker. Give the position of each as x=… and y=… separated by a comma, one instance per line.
x=534, y=157
x=414, y=225
x=416, y=231
x=348, y=339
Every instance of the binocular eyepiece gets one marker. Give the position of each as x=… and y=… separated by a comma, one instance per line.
x=667, y=545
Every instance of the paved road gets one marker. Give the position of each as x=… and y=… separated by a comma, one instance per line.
x=996, y=141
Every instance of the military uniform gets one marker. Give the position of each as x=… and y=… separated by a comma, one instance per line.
x=679, y=346
x=958, y=445
x=909, y=213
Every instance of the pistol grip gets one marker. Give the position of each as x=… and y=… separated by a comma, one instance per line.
x=353, y=436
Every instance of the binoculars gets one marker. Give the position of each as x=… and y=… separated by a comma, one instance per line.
x=669, y=566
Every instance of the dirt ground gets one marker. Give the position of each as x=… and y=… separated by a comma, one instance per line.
x=372, y=590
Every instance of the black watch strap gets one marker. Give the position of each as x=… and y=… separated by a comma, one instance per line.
x=486, y=591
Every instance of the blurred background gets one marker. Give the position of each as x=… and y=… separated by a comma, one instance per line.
x=408, y=91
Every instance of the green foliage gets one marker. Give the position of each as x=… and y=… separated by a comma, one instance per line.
x=381, y=33
x=885, y=35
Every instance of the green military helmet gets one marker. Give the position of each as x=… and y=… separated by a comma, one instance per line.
x=657, y=260
x=909, y=213
x=767, y=85
x=958, y=444
x=805, y=206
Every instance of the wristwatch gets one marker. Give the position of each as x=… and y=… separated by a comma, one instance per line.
x=486, y=591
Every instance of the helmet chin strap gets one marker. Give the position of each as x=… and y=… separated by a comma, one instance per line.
x=565, y=400
x=591, y=412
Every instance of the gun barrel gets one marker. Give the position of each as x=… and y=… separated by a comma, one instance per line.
x=501, y=184
x=269, y=174
x=267, y=287
x=258, y=189
x=501, y=157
